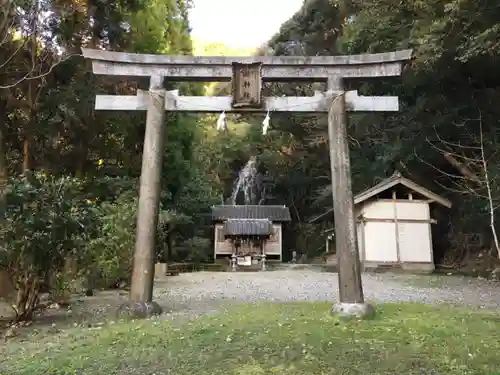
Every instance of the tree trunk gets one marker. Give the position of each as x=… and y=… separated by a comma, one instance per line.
x=30, y=129
x=462, y=168
x=32, y=91
x=170, y=244
x=27, y=298
x=26, y=154
x=3, y=159
x=81, y=160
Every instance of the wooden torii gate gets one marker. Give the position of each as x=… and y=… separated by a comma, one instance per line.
x=247, y=75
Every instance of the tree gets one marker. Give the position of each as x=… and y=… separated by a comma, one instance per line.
x=22, y=31
x=47, y=221
x=452, y=76
x=476, y=164
x=53, y=115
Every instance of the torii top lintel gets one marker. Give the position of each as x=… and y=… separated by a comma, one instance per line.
x=274, y=68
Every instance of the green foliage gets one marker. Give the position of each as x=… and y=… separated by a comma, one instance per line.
x=313, y=30
x=160, y=27
x=111, y=252
x=108, y=189
x=48, y=123
x=47, y=220
x=446, y=94
x=195, y=249
x=203, y=48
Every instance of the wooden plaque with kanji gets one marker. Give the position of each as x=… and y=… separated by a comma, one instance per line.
x=247, y=83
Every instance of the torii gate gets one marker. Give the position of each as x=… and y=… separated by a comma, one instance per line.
x=247, y=75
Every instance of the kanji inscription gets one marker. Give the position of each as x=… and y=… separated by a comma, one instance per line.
x=247, y=85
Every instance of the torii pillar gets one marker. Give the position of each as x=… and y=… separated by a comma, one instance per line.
x=247, y=75
x=351, y=299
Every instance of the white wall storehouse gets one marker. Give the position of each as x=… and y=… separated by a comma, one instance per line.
x=394, y=224
x=396, y=229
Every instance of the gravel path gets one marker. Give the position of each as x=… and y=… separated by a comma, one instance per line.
x=206, y=291
x=193, y=294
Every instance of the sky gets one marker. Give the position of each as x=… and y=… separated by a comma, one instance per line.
x=240, y=23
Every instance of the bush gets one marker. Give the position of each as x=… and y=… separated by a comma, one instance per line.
x=110, y=253
x=47, y=221
x=59, y=229
x=194, y=250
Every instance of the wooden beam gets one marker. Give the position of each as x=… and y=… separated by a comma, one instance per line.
x=139, y=58
x=274, y=68
x=317, y=103
x=270, y=73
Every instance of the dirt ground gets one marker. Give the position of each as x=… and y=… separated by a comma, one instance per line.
x=198, y=293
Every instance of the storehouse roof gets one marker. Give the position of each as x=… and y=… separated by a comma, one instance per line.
x=247, y=227
x=271, y=213
x=398, y=179
x=395, y=179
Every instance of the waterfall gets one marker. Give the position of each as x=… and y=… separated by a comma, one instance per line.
x=247, y=183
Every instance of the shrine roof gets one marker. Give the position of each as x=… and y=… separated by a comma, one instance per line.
x=248, y=227
x=271, y=213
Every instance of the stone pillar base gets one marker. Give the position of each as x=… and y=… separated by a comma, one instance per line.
x=345, y=310
x=139, y=310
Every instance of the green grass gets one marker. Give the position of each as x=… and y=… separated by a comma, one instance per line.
x=298, y=338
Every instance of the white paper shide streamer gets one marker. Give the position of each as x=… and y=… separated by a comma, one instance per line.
x=222, y=122
x=265, y=123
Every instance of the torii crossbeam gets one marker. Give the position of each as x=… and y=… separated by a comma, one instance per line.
x=247, y=75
